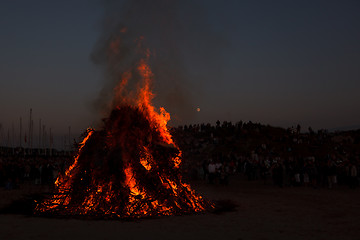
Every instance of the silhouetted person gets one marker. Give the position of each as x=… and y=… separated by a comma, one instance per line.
x=353, y=176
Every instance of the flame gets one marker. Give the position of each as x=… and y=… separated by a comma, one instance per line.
x=89, y=133
x=121, y=171
x=131, y=182
x=146, y=159
x=159, y=120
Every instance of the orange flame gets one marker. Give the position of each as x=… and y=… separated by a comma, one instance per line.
x=101, y=196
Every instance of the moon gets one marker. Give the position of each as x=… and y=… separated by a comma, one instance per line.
x=198, y=109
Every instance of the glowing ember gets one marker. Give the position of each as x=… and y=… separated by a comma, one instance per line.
x=128, y=168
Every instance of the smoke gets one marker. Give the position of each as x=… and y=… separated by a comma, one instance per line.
x=169, y=29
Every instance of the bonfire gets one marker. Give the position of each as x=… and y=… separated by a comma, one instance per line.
x=130, y=166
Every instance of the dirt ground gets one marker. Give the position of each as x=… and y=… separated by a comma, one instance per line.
x=263, y=212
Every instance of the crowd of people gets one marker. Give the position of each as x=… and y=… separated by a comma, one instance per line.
x=19, y=168
x=284, y=157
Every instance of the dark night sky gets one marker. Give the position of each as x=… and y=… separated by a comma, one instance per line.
x=273, y=62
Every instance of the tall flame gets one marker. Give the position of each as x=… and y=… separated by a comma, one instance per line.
x=130, y=167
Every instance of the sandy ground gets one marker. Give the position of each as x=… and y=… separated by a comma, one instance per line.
x=264, y=212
